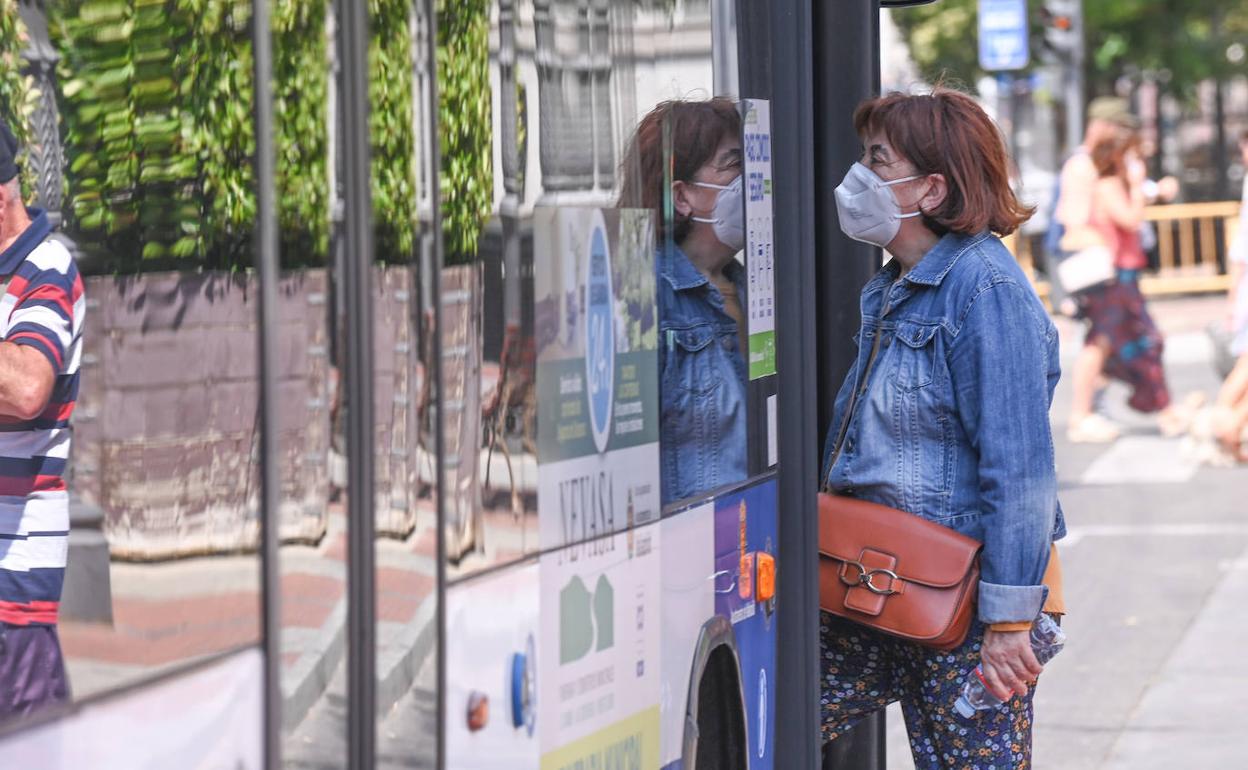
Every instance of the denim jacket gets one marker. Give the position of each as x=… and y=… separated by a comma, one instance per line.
x=702, y=380
x=953, y=424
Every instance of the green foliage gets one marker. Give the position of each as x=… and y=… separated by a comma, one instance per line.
x=1185, y=38
x=156, y=102
x=300, y=93
x=391, y=120
x=18, y=95
x=942, y=39
x=1121, y=36
x=464, y=126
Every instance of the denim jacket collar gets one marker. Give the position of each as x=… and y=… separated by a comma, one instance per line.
x=676, y=268
x=937, y=263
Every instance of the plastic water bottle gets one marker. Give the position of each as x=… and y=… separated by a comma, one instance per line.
x=1047, y=640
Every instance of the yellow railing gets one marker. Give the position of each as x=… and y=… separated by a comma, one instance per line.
x=1187, y=247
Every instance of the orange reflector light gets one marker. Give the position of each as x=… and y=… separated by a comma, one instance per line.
x=478, y=711
x=745, y=580
x=766, y=576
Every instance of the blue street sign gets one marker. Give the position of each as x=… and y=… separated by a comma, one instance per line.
x=1003, y=35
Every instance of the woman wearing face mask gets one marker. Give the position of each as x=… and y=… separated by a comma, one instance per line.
x=684, y=163
x=945, y=415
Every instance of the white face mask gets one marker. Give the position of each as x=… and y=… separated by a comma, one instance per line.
x=868, y=210
x=726, y=218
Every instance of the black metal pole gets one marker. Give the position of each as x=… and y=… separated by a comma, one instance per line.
x=434, y=240
x=267, y=266
x=844, y=75
x=357, y=289
x=774, y=43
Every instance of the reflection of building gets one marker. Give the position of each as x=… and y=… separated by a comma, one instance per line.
x=596, y=66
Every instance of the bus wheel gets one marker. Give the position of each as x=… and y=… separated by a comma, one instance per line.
x=721, y=741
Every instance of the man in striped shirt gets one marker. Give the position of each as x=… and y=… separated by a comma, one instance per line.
x=41, y=311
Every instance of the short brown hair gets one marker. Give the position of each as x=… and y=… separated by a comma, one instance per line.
x=946, y=132
x=695, y=130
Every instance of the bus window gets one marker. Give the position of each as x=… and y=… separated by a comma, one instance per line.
x=406, y=399
x=585, y=624
x=563, y=87
x=139, y=291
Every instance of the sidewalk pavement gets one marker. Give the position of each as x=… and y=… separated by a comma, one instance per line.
x=168, y=614
x=1192, y=715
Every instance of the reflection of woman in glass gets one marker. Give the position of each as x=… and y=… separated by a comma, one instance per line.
x=685, y=164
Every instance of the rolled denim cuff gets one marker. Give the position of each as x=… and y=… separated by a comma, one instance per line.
x=1010, y=604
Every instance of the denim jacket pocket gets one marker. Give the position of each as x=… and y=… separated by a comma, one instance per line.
x=691, y=365
x=697, y=398
x=914, y=357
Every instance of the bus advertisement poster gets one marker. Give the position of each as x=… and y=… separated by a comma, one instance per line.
x=599, y=663
x=596, y=328
x=492, y=685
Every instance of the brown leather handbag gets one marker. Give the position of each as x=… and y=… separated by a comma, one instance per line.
x=896, y=572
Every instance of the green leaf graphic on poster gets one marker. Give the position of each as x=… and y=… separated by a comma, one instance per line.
x=604, y=613
x=576, y=627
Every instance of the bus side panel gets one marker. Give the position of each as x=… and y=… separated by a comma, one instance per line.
x=208, y=717
x=688, y=602
x=745, y=527
x=598, y=660
x=490, y=621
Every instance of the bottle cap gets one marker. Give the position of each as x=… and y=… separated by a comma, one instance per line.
x=964, y=707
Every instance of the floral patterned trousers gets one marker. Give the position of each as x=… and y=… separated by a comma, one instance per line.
x=864, y=671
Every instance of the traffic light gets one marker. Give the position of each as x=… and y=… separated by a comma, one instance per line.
x=1061, y=25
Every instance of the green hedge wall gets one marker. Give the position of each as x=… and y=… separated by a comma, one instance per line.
x=18, y=95
x=390, y=122
x=156, y=100
x=464, y=126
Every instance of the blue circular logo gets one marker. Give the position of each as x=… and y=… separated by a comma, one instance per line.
x=524, y=688
x=600, y=336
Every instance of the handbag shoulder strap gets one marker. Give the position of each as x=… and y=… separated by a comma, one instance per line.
x=859, y=390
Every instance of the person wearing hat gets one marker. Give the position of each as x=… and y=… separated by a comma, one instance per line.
x=1103, y=194
x=41, y=313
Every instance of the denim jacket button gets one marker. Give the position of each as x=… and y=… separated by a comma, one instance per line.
x=727, y=343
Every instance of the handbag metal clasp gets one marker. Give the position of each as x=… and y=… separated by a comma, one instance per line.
x=865, y=577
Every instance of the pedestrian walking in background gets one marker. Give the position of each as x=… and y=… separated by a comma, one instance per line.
x=41, y=311
x=945, y=415
x=1103, y=199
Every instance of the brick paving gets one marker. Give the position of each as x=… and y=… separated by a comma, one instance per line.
x=174, y=612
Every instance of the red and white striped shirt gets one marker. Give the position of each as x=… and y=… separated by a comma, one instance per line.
x=42, y=307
